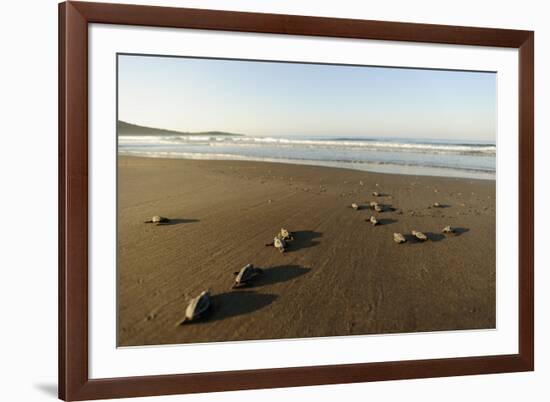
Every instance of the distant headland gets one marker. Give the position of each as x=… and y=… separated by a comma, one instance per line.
x=125, y=128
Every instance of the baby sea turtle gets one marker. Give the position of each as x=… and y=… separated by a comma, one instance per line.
x=278, y=243
x=373, y=220
x=159, y=220
x=448, y=230
x=197, y=307
x=355, y=206
x=419, y=235
x=246, y=274
x=285, y=234
x=399, y=238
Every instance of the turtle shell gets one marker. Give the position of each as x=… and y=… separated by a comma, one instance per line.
x=284, y=234
x=399, y=238
x=419, y=235
x=247, y=273
x=197, y=306
x=448, y=229
x=159, y=219
x=279, y=243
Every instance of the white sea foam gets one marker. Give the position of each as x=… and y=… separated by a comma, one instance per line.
x=373, y=144
x=422, y=157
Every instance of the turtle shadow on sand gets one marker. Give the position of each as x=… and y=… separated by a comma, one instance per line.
x=235, y=303
x=281, y=273
x=386, y=221
x=412, y=239
x=435, y=237
x=303, y=239
x=384, y=208
x=178, y=221
x=459, y=231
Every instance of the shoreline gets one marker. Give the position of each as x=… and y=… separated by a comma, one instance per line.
x=341, y=275
x=378, y=168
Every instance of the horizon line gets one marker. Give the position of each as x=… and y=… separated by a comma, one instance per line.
x=331, y=136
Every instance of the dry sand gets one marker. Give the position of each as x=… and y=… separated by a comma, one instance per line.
x=340, y=276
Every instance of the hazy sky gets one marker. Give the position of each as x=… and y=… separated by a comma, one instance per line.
x=269, y=98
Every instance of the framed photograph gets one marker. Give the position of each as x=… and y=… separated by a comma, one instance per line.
x=259, y=200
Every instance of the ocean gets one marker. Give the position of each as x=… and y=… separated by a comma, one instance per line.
x=465, y=159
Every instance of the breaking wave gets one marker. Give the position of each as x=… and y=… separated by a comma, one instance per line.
x=417, y=157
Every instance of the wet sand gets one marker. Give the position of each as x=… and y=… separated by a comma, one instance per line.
x=340, y=276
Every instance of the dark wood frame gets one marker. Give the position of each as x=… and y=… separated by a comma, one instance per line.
x=74, y=17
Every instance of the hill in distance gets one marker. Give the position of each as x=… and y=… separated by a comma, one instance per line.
x=124, y=128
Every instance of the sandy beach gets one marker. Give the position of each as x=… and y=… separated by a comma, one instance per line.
x=340, y=276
